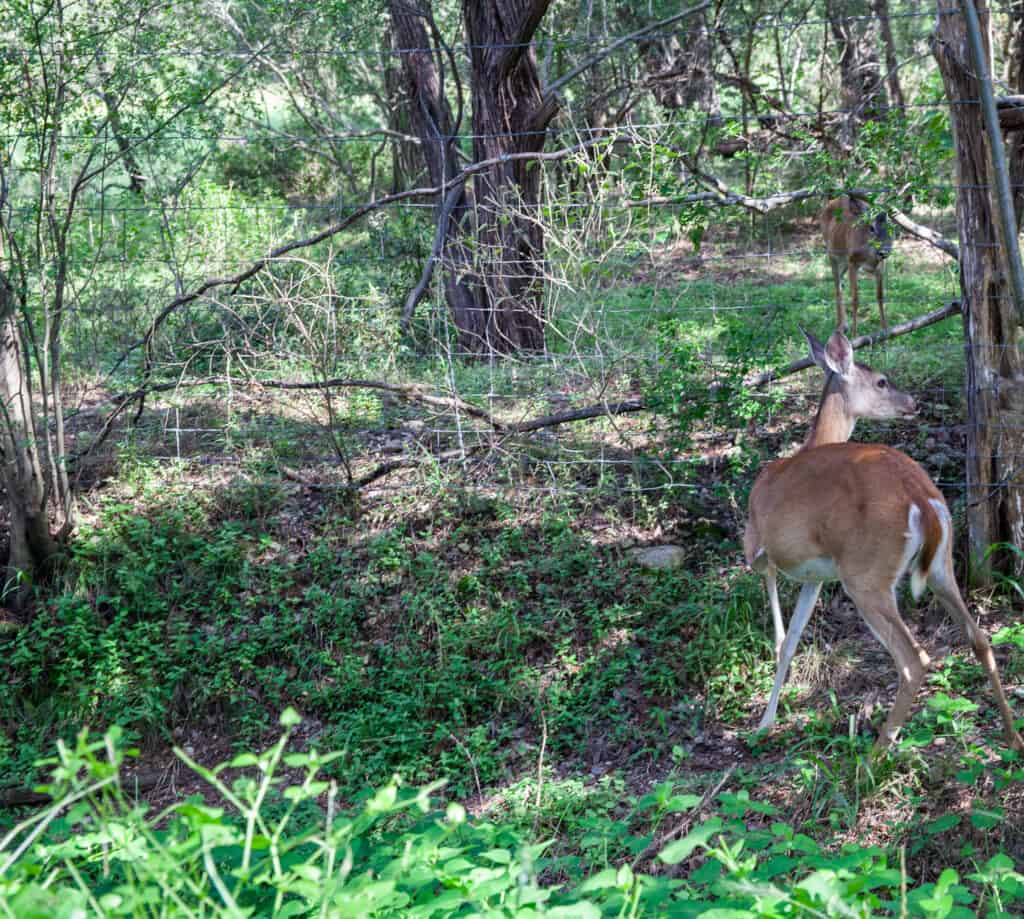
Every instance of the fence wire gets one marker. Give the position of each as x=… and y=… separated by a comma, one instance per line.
x=673, y=297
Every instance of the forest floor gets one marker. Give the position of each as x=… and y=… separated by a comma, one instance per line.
x=486, y=622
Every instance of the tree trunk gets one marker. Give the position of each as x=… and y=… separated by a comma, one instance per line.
x=1015, y=81
x=510, y=115
x=431, y=120
x=862, y=91
x=995, y=401
x=892, y=73
x=32, y=546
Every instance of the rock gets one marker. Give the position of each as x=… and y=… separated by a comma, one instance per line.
x=659, y=557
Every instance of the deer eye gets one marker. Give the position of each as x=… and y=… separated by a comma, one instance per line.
x=882, y=383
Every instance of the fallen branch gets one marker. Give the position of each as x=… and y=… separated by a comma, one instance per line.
x=911, y=325
x=24, y=797
x=580, y=414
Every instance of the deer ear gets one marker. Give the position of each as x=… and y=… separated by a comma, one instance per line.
x=839, y=354
x=817, y=350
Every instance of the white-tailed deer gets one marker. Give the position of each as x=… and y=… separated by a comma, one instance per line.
x=853, y=243
x=865, y=515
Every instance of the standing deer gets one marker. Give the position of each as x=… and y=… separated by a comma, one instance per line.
x=865, y=515
x=854, y=243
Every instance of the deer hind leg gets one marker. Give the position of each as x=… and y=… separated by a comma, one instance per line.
x=801, y=616
x=880, y=293
x=944, y=586
x=838, y=268
x=878, y=608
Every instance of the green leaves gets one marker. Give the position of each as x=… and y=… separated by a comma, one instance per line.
x=675, y=852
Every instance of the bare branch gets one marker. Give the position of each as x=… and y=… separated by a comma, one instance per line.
x=595, y=59
x=911, y=325
x=259, y=264
x=929, y=236
x=435, y=253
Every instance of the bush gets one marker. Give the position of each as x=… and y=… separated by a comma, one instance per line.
x=276, y=843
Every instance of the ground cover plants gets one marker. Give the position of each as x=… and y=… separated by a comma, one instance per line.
x=584, y=713
x=356, y=359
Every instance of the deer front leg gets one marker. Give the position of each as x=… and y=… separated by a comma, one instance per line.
x=854, y=299
x=837, y=276
x=771, y=582
x=880, y=293
x=801, y=616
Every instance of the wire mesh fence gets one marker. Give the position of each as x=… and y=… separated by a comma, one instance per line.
x=656, y=285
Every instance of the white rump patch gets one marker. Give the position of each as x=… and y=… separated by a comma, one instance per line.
x=937, y=569
x=915, y=540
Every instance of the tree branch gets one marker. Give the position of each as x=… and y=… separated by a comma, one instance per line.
x=440, y=236
x=914, y=229
x=618, y=43
x=259, y=264
x=911, y=325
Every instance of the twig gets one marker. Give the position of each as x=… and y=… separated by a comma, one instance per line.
x=658, y=843
x=472, y=763
x=540, y=768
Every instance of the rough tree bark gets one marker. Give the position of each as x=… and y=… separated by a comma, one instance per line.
x=510, y=115
x=862, y=90
x=995, y=400
x=1015, y=82
x=432, y=121
x=32, y=547
x=492, y=245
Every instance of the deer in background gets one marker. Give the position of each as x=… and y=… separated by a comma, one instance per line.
x=853, y=243
x=865, y=515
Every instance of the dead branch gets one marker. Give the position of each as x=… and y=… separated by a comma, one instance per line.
x=440, y=236
x=24, y=797
x=914, y=229
x=911, y=325
x=580, y=414
x=922, y=232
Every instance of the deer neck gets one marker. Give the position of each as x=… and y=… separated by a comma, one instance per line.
x=833, y=423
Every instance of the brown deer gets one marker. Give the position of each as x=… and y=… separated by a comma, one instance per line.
x=865, y=515
x=853, y=243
